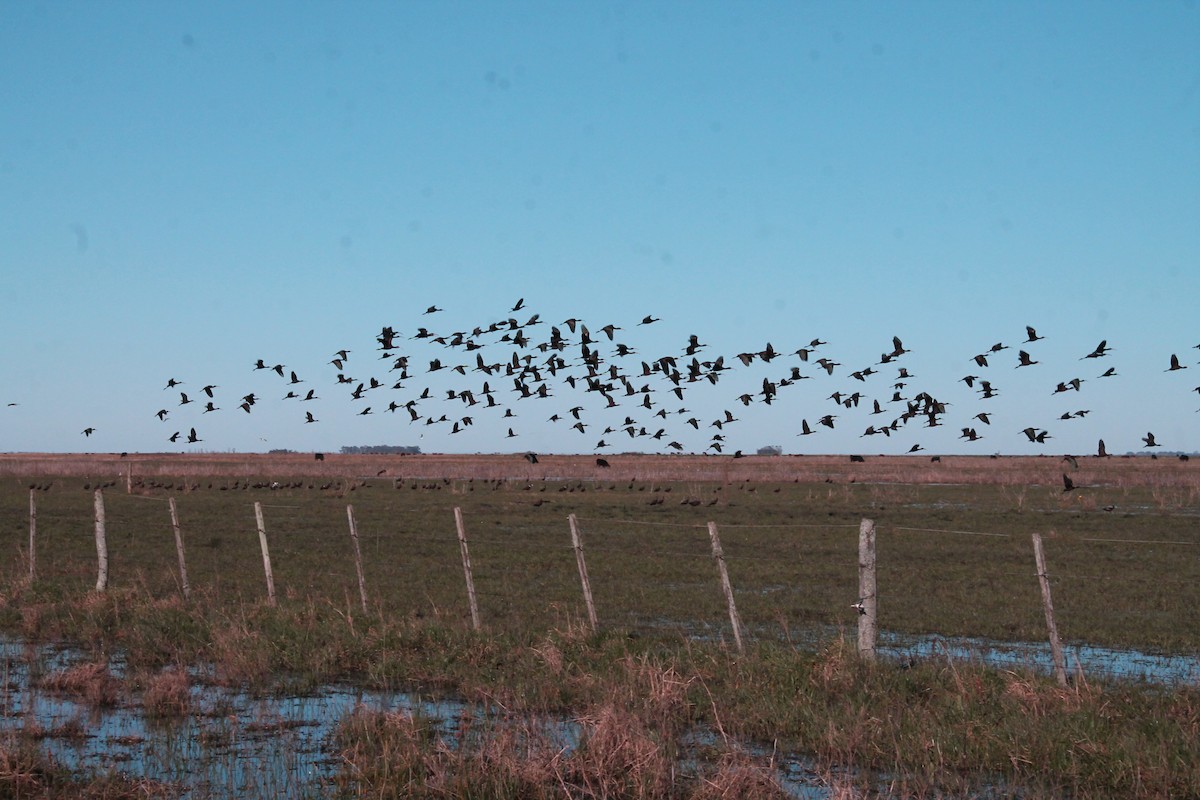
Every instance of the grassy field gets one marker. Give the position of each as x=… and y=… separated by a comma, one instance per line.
x=954, y=555
x=954, y=551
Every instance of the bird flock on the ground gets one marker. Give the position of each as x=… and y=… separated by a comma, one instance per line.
x=515, y=363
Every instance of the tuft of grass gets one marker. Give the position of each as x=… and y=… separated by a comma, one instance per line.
x=91, y=683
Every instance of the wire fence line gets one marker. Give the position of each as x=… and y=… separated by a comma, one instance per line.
x=613, y=539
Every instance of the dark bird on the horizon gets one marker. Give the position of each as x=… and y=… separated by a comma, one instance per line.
x=161, y=414
x=88, y=431
x=1149, y=440
x=433, y=310
x=1108, y=373
x=183, y=399
x=174, y=437
x=648, y=319
x=531, y=457
x=1024, y=359
x=192, y=437
x=208, y=389
x=1033, y=335
x=308, y=417
x=1101, y=350
x=172, y=383
x=1175, y=364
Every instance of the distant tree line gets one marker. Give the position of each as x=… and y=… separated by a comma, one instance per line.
x=381, y=449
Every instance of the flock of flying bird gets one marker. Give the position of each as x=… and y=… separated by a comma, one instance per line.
x=521, y=360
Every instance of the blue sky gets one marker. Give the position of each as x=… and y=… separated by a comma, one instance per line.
x=187, y=187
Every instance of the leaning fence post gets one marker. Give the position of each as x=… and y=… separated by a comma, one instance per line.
x=183, y=578
x=719, y=557
x=583, y=574
x=101, y=543
x=466, y=559
x=32, y=536
x=362, y=583
x=867, y=605
x=1056, y=652
x=262, y=540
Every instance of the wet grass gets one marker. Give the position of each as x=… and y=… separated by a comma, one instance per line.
x=953, y=559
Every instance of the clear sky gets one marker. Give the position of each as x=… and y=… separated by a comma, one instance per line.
x=187, y=187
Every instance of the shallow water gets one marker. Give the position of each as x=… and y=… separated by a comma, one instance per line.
x=1131, y=665
x=236, y=745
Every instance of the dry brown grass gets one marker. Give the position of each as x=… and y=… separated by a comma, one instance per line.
x=196, y=469
x=90, y=683
x=168, y=694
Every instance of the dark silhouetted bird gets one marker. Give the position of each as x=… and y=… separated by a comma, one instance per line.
x=1175, y=364
x=1033, y=335
x=1149, y=440
x=192, y=437
x=88, y=431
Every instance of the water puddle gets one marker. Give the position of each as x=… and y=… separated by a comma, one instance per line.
x=1130, y=665
x=234, y=744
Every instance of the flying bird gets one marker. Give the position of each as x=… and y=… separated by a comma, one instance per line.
x=192, y=437
x=1175, y=364
x=1149, y=440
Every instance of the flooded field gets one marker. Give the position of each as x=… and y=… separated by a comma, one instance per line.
x=236, y=744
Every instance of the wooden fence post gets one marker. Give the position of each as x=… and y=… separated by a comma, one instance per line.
x=262, y=540
x=183, y=578
x=1056, y=652
x=362, y=583
x=101, y=543
x=583, y=574
x=719, y=557
x=867, y=605
x=32, y=536
x=466, y=559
